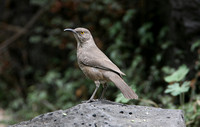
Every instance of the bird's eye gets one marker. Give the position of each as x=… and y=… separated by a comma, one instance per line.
x=82, y=32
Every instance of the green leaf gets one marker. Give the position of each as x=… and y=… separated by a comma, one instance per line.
x=175, y=89
x=105, y=22
x=158, y=57
x=114, y=29
x=121, y=98
x=39, y=29
x=143, y=30
x=35, y=39
x=51, y=77
x=165, y=44
x=145, y=34
x=195, y=45
x=163, y=32
x=178, y=75
x=147, y=37
x=129, y=14
x=185, y=86
x=167, y=70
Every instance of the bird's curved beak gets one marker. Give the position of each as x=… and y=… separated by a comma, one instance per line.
x=74, y=32
x=71, y=30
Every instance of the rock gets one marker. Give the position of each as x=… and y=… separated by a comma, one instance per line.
x=108, y=114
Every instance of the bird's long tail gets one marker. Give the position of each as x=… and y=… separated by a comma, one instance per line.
x=124, y=88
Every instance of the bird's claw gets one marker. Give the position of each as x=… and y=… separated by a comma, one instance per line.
x=89, y=101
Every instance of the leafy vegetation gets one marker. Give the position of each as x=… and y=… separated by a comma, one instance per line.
x=39, y=71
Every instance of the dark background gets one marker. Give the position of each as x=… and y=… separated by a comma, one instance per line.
x=147, y=40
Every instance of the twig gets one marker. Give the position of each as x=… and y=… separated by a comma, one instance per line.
x=149, y=102
x=9, y=27
x=7, y=42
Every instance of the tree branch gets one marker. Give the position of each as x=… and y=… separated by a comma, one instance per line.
x=7, y=42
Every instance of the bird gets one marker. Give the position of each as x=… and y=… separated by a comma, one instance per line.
x=97, y=66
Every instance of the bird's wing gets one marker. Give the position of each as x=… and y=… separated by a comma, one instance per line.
x=98, y=59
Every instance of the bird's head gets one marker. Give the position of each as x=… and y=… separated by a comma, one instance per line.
x=81, y=34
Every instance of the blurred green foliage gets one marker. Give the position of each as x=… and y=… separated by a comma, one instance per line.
x=175, y=89
x=178, y=75
x=39, y=71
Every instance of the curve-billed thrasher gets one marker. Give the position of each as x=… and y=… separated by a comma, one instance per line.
x=97, y=66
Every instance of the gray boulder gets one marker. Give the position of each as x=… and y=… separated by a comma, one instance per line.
x=108, y=114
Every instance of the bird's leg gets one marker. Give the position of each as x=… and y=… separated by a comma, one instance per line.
x=104, y=90
x=97, y=83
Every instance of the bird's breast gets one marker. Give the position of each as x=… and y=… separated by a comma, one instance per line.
x=93, y=73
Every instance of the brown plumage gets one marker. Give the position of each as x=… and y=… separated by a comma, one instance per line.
x=97, y=66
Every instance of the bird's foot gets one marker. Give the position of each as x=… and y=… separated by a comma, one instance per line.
x=89, y=101
x=102, y=97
